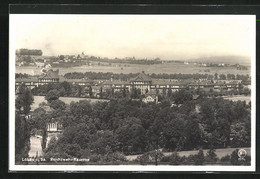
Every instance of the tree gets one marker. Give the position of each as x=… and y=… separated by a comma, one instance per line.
x=199, y=158
x=81, y=108
x=239, y=135
x=57, y=104
x=131, y=135
x=22, y=138
x=90, y=91
x=211, y=156
x=52, y=95
x=173, y=133
x=182, y=96
x=24, y=100
x=61, y=57
x=222, y=77
x=234, y=158
x=67, y=88
x=216, y=76
x=193, y=133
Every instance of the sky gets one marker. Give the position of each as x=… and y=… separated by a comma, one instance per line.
x=169, y=37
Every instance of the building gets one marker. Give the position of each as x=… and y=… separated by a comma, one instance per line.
x=150, y=97
x=80, y=82
x=117, y=85
x=96, y=91
x=49, y=77
x=54, y=127
x=31, y=82
x=142, y=82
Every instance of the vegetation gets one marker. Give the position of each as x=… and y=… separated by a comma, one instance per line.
x=24, y=51
x=22, y=132
x=124, y=77
x=125, y=126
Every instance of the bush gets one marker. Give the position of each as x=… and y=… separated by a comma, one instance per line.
x=211, y=156
x=174, y=159
x=115, y=157
x=199, y=158
x=234, y=158
x=111, y=158
x=150, y=157
x=226, y=158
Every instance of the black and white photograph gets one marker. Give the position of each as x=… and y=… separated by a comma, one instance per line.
x=111, y=92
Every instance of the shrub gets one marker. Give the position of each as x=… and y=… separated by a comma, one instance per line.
x=226, y=158
x=234, y=158
x=211, y=156
x=115, y=157
x=199, y=158
x=150, y=157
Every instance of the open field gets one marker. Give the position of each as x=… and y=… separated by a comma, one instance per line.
x=239, y=97
x=169, y=68
x=219, y=152
x=66, y=100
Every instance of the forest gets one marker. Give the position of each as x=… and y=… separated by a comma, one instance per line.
x=24, y=51
x=126, y=127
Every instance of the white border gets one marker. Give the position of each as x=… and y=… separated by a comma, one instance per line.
x=13, y=167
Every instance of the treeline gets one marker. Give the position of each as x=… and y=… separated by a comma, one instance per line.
x=64, y=89
x=24, y=51
x=121, y=76
x=22, y=75
x=123, y=126
x=128, y=60
x=210, y=157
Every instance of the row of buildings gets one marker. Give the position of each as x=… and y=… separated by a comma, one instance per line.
x=142, y=82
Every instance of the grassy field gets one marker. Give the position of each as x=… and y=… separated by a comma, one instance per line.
x=66, y=100
x=219, y=152
x=239, y=98
x=170, y=68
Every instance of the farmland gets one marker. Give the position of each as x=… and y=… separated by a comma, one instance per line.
x=169, y=68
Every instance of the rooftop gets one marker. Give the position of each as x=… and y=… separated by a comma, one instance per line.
x=142, y=77
x=50, y=74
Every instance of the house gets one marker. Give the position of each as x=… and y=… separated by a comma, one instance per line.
x=49, y=77
x=54, y=127
x=150, y=97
